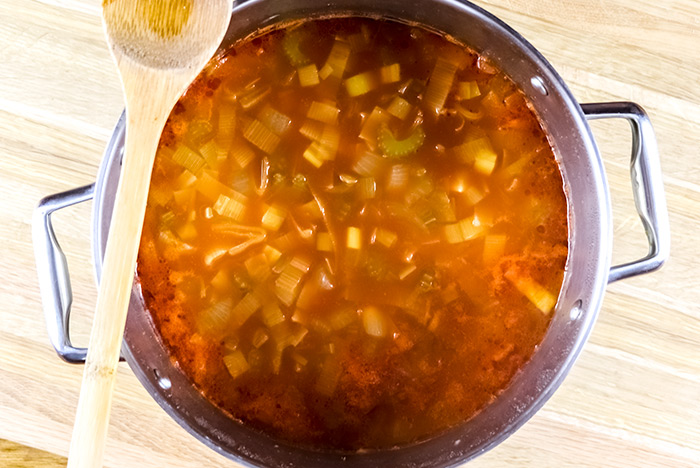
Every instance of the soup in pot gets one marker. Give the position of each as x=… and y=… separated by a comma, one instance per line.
x=356, y=233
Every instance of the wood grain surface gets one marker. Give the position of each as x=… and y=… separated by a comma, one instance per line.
x=633, y=398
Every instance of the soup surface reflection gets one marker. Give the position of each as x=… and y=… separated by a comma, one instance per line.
x=356, y=233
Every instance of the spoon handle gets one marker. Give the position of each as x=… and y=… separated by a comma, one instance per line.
x=92, y=417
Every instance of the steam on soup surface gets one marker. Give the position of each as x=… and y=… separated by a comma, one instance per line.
x=356, y=233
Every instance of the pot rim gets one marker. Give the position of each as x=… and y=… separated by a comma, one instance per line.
x=108, y=175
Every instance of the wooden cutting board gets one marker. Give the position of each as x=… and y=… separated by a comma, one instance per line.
x=632, y=400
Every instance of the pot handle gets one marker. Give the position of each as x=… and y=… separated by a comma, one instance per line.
x=647, y=185
x=51, y=265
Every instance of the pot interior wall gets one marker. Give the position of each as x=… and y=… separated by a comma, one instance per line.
x=578, y=304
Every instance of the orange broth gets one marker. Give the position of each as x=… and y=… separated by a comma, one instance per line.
x=356, y=233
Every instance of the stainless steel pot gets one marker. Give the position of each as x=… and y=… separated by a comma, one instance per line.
x=588, y=269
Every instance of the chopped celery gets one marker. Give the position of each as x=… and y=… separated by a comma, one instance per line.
x=210, y=151
x=366, y=188
x=316, y=154
x=187, y=232
x=274, y=120
x=337, y=60
x=484, y=156
x=440, y=84
x=474, y=194
x=494, y=246
x=227, y=124
x=259, y=338
x=323, y=112
x=271, y=314
x=214, y=321
x=394, y=148
x=324, y=243
x=312, y=210
x=273, y=218
x=185, y=179
x=228, y=207
x=184, y=197
x=468, y=90
x=390, y=73
x=375, y=322
x=312, y=129
x=399, y=108
x=288, y=334
x=535, y=293
x=361, y=84
x=188, y=158
x=443, y=207
x=342, y=317
x=308, y=75
x=406, y=271
x=291, y=44
x=221, y=281
x=287, y=284
x=211, y=188
x=241, y=153
x=261, y=136
x=199, y=132
x=236, y=363
x=258, y=267
x=398, y=177
x=469, y=115
x=167, y=218
x=244, y=309
x=354, y=238
x=462, y=231
x=516, y=168
x=329, y=376
x=371, y=125
x=385, y=237
x=272, y=254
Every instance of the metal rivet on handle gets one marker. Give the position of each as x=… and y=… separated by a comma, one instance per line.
x=539, y=85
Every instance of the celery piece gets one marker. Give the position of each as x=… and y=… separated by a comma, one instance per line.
x=259, y=337
x=469, y=115
x=272, y=254
x=188, y=158
x=468, y=90
x=440, y=84
x=187, y=232
x=287, y=284
x=185, y=179
x=361, y=84
x=323, y=112
x=390, y=73
x=314, y=154
x=288, y=334
x=328, y=377
x=398, y=177
x=470, y=228
x=221, y=281
x=406, y=271
x=258, y=267
x=354, y=238
x=484, y=155
x=199, y=132
x=394, y=148
x=236, y=363
x=241, y=153
x=167, y=218
x=533, y=291
x=274, y=120
x=230, y=208
x=385, y=237
x=369, y=165
x=375, y=322
x=261, y=136
x=342, y=317
x=291, y=44
x=366, y=188
x=308, y=75
x=399, y=108
x=271, y=314
x=226, y=128
x=244, y=309
x=337, y=60
x=214, y=321
x=312, y=129
x=210, y=151
x=273, y=218
x=370, y=127
x=324, y=242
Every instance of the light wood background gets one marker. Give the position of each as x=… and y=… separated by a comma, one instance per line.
x=633, y=398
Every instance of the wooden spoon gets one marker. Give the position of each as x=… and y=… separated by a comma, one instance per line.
x=159, y=47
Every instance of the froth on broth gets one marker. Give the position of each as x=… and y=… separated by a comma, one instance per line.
x=356, y=233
